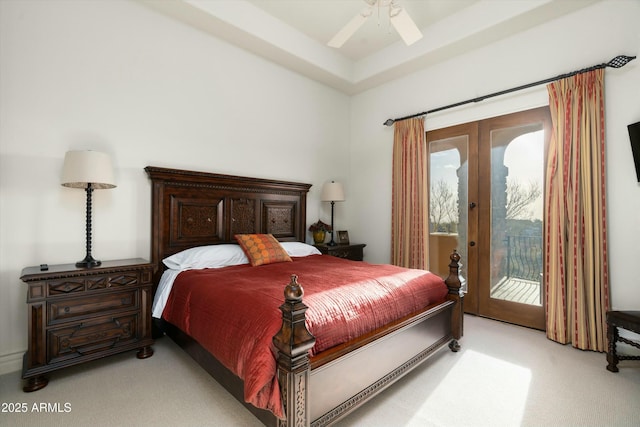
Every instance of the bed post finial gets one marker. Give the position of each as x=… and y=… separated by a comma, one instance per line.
x=453, y=280
x=457, y=295
x=293, y=343
x=293, y=291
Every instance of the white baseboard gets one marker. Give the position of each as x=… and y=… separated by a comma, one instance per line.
x=11, y=362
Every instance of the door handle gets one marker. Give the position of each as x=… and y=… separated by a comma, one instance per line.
x=472, y=205
x=472, y=243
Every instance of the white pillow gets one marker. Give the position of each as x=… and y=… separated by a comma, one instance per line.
x=214, y=256
x=300, y=249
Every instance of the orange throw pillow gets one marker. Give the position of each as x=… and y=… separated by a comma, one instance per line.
x=262, y=249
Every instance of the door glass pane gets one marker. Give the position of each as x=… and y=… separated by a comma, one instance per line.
x=517, y=181
x=448, y=196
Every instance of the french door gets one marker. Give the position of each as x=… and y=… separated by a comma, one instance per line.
x=486, y=182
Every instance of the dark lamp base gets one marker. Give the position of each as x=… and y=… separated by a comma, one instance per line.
x=88, y=262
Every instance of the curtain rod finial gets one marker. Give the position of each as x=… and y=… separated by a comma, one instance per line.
x=389, y=122
x=620, y=61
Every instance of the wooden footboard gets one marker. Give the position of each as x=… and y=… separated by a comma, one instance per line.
x=311, y=394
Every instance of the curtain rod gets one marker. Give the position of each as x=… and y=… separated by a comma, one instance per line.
x=617, y=62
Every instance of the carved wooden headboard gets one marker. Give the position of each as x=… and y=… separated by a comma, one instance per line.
x=198, y=208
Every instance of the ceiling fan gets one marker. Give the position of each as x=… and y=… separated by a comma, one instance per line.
x=398, y=17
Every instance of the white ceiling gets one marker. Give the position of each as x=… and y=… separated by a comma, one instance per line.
x=294, y=33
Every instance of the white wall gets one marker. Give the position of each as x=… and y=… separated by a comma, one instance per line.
x=115, y=76
x=118, y=77
x=590, y=36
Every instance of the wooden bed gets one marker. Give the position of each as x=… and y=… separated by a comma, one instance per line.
x=197, y=208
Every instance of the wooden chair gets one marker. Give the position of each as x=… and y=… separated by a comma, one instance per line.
x=629, y=320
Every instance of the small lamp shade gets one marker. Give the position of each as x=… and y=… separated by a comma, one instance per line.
x=332, y=192
x=87, y=167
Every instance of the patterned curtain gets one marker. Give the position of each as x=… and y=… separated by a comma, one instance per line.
x=577, y=279
x=409, y=213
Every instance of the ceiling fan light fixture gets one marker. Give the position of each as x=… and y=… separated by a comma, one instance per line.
x=398, y=17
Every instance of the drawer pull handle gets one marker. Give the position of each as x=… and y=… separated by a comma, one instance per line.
x=66, y=309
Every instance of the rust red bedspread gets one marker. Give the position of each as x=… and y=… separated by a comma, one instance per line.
x=233, y=312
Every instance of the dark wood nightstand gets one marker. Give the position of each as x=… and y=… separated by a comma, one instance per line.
x=353, y=252
x=81, y=314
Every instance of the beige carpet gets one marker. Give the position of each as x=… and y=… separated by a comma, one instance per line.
x=503, y=376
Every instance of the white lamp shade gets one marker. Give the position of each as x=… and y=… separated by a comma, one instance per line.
x=332, y=192
x=87, y=167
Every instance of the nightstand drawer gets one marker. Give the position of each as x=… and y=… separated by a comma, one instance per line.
x=67, y=286
x=84, y=338
x=348, y=253
x=90, y=283
x=353, y=252
x=130, y=278
x=74, y=308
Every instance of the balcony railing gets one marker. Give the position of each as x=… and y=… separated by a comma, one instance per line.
x=524, y=257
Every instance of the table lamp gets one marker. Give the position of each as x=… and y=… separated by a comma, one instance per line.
x=90, y=170
x=332, y=192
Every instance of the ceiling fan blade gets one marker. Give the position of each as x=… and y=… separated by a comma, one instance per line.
x=348, y=30
x=405, y=26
